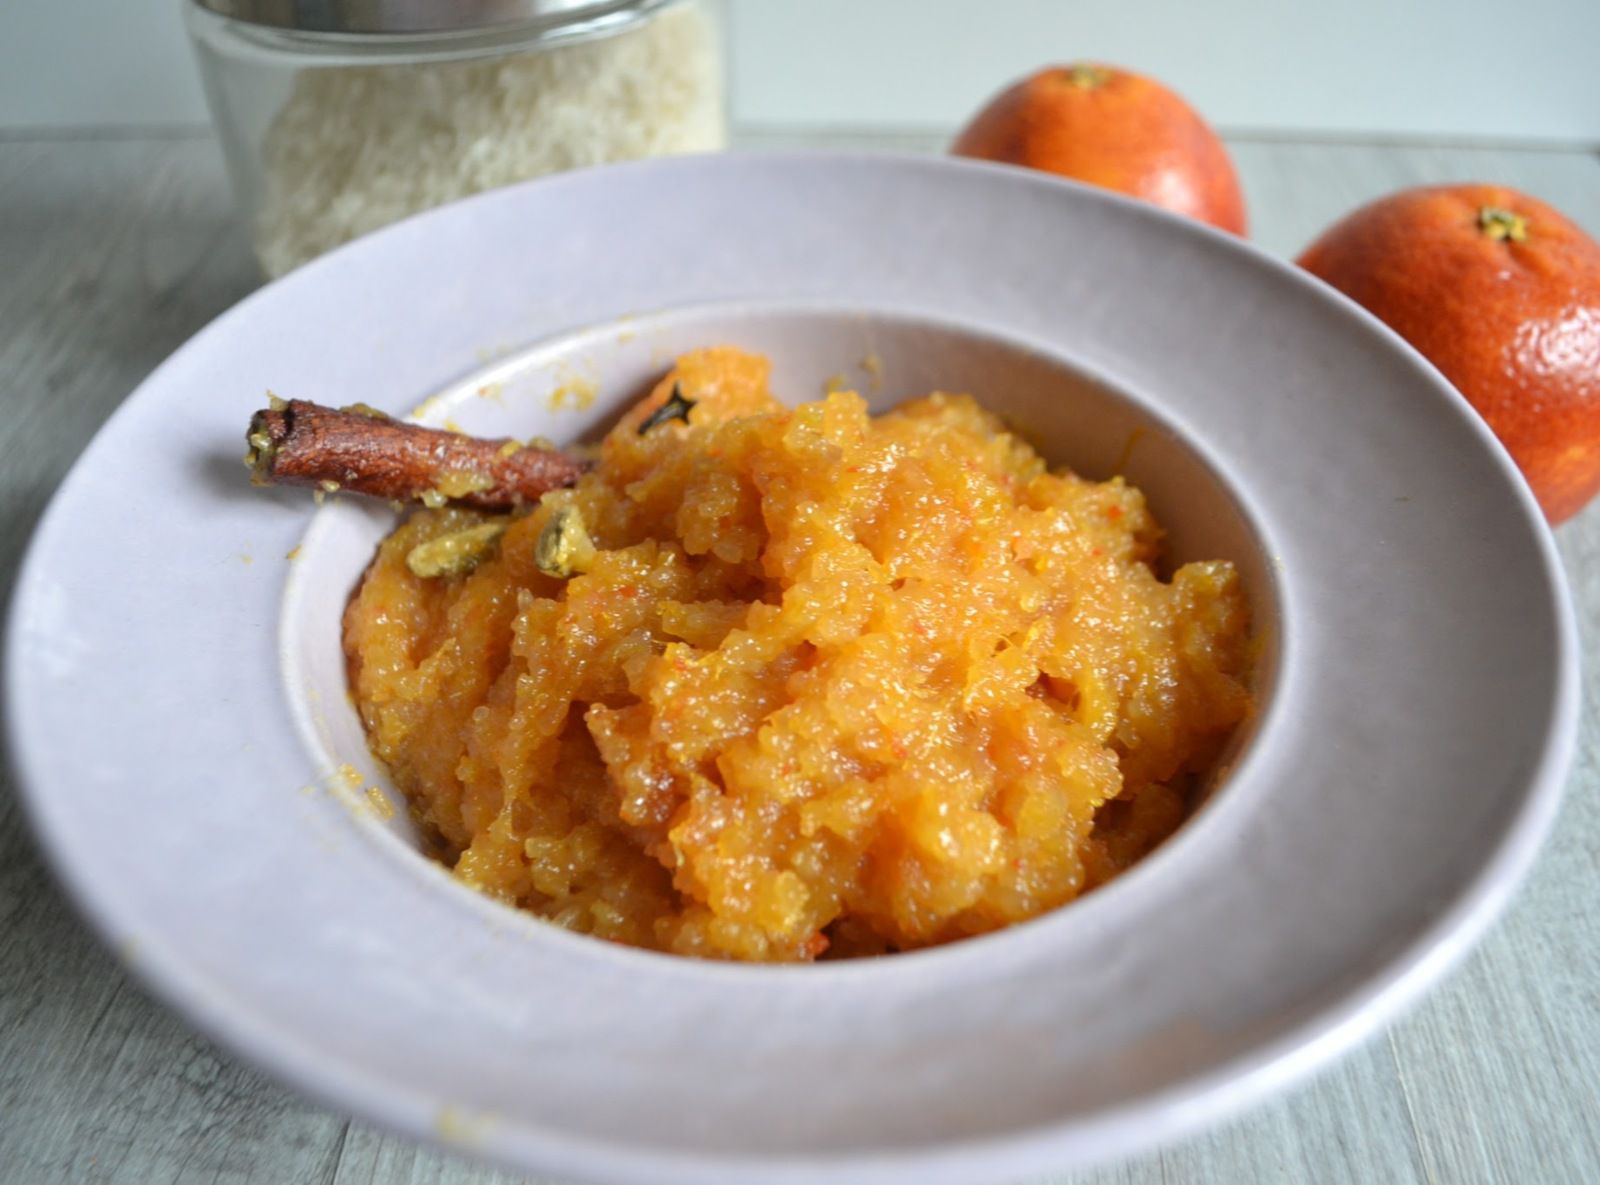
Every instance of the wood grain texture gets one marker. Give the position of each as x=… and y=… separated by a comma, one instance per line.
x=113, y=252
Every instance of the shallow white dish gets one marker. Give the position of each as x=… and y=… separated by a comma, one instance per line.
x=177, y=722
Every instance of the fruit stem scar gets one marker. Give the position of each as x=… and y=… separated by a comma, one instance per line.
x=1501, y=224
x=1085, y=76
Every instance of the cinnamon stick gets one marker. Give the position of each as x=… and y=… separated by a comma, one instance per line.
x=364, y=451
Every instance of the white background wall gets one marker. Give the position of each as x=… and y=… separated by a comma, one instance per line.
x=1485, y=69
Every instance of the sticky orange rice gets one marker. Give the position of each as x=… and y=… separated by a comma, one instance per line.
x=774, y=683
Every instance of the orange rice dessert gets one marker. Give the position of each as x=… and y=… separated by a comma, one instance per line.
x=825, y=682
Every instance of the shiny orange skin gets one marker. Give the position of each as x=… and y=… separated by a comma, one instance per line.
x=1109, y=127
x=1514, y=325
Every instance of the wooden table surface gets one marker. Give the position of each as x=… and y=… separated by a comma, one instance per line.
x=114, y=250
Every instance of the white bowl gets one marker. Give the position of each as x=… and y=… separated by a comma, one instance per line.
x=178, y=717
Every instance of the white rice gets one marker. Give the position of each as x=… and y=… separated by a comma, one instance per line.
x=358, y=147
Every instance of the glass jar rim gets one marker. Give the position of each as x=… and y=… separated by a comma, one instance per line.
x=399, y=19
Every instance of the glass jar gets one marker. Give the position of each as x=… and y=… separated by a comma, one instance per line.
x=340, y=116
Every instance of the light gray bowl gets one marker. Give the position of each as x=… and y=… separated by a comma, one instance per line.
x=1418, y=686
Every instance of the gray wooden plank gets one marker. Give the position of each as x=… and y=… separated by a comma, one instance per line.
x=371, y=1157
x=1294, y=190
x=113, y=252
